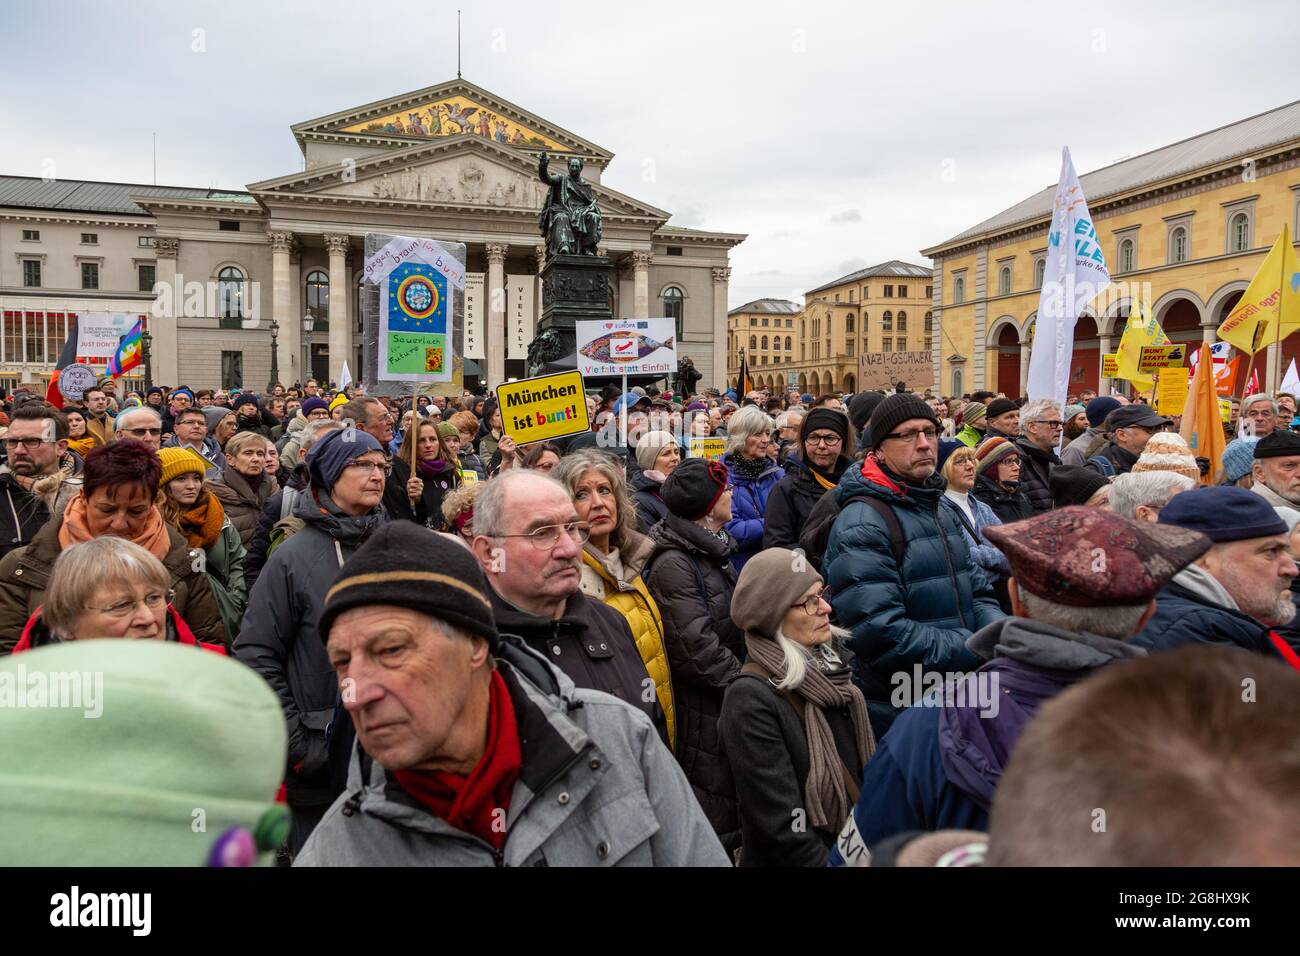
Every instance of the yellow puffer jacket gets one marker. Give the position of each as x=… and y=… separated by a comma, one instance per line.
x=630, y=598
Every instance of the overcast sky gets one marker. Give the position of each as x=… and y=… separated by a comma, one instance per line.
x=836, y=135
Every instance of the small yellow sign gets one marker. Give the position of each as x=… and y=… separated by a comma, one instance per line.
x=1225, y=410
x=711, y=448
x=1161, y=356
x=1171, y=392
x=542, y=408
x=1109, y=364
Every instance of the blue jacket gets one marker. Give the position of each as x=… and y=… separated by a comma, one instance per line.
x=748, y=508
x=919, y=614
x=1186, y=617
x=991, y=561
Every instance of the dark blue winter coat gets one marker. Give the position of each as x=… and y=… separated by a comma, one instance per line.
x=748, y=508
x=919, y=614
x=1184, y=617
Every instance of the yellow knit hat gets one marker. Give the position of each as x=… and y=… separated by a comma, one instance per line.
x=181, y=461
x=339, y=399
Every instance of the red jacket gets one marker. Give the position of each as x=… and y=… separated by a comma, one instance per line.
x=36, y=634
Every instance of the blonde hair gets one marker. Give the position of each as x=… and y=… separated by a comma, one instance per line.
x=955, y=459
x=83, y=569
x=237, y=442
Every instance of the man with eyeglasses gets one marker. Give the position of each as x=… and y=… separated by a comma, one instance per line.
x=143, y=424
x=99, y=423
x=898, y=566
x=190, y=430
x=39, y=476
x=1041, y=426
x=528, y=540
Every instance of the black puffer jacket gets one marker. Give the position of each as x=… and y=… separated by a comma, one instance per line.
x=690, y=577
x=650, y=507
x=791, y=501
x=1009, y=506
x=1035, y=473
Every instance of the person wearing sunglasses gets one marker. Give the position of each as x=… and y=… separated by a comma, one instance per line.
x=143, y=424
x=108, y=588
x=331, y=518
x=1041, y=426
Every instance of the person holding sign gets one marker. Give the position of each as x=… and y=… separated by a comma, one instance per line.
x=438, y=473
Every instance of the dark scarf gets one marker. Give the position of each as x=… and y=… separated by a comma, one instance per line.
x=435, y=469
x=749, y=468
x=470, y=803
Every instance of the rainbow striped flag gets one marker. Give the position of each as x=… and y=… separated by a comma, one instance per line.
x=128, y=354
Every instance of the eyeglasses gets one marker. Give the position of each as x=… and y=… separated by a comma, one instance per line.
x=824, y=439
x=31, y=444
x=1049, y=424
x=909, y=438
x=152, y=601
x=370, y=466
x=141, y=432
x=548, y=536
x=812, y=604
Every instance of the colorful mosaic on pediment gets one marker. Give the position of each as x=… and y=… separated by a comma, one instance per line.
x=452, y=116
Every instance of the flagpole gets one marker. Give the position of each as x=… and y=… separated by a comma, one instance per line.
x=1281, y=294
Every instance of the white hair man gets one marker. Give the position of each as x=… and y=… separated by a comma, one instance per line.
x=144, y=424
x=1140, y=495
x=1040, y=428
x=1260, y=411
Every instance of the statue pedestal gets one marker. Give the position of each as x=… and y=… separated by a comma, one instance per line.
x=573, y=288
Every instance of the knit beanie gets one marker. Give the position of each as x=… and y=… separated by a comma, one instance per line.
x=407, y=565
x=448, y=430
x=174, y=727
x=694, y=487
x=992, y=451
x=331, y=453
x=826, y=418
x=973, y=414
x=214, y=414
x=1071, y=411
x=1166, y=451
x=771, y=583
x=649, y=446
x=181, y=461
x=1239, y=459
x=861, y=406
x=1098, y=409
x=248, y=398
x=1000, y=406
x=339, y=399
x=895, y=409
x=1074, y=484
x=313, y=403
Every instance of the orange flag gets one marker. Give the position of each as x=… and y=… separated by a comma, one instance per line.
x=1202, y=427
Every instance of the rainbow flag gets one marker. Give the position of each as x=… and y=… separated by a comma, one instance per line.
x=128, y=354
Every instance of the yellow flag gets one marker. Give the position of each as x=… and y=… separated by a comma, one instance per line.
x=1140, y=329
x=1273, y=297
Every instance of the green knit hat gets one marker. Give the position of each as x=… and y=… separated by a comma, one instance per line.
x=165, y=754
x=448, y=430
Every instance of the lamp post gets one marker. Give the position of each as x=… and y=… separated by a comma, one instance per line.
x=275, y=367
x=308, y=323
x=145, y=341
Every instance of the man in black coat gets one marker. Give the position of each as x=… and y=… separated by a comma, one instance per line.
x=1041, y=424
x=1130, y=427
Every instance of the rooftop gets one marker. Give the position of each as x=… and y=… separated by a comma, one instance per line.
x=767, y=307
x=1241, y=138
x=894, y=267
x=79, y=195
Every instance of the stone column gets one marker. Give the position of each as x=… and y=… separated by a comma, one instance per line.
x=1209, y=333
x=288, y=338
x=718, y=374
x=340, y=329
x=496, y=314
x=641, y=285
x=163, y=348
x=1103, y=383
x=1024, y=370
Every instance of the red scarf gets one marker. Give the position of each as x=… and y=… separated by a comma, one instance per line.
x=468, y=803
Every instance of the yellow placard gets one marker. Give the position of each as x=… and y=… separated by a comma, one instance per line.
x=1161, y=356
x=542, y=408
x=1109, y=364
x=1225, y=410
x=1171, y=393
x=708, y=448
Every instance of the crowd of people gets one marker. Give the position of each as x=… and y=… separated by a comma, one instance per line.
x=881, y=629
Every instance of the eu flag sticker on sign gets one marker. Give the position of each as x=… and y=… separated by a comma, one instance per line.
x=417, y=299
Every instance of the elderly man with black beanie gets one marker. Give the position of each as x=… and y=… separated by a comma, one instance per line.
x=1002, y=419
x=815, y=469
x=475, y=750
x=897, y=563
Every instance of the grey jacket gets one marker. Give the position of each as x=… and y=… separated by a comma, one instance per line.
x=1076, y=452
x=597, y=788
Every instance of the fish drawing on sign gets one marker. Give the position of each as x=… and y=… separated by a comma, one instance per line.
x=623, y=347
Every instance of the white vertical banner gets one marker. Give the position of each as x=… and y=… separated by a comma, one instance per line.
x=1076, y=274
x=520, y=291
x=475, y=294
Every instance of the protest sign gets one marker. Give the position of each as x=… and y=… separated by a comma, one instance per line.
x=626, y=347
x=1171, y=391
x=542, y=408
x=1225, y=410
x=1109, y=364
x=1161, y=356
x=885, y=369
x=98, y=334
x=711, y=448
x=417, y=281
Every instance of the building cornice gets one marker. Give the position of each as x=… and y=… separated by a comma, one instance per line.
x=204, y=207
x=13, y=214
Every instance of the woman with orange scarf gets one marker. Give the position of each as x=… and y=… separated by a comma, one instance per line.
x=195, y=512
x=120, y=485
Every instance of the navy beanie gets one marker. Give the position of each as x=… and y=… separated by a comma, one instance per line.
x=1099, y=408
x=313, y=403
x=1223, y=513
x=331, y=453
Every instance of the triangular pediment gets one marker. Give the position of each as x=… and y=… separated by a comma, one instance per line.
x=462, y=170
x=447, y=110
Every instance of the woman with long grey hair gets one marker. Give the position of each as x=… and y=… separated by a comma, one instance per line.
x=753, y=473
x=796, y=733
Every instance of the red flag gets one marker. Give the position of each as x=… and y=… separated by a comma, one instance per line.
x=1253, y=385
x=66, y=357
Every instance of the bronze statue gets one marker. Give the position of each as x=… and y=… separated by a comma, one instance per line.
x=570, y=219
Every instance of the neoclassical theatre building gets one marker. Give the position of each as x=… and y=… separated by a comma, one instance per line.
x=451, y=161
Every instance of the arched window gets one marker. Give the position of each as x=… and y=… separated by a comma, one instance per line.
x=902, y=322
x=753, y=343
x=1040, y=270
x=1126, y=255
x=848, y=323
x=672, y=303
x=764, y=343
x=1239, y=230
x=956, y=381
x=1178, y=245
x=1004, y=281
x=887, y=322
x=959, y=289
x=230, y=296
x=788, y=340
x=317, y=300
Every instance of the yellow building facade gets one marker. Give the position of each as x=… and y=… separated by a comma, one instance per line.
x=764, y=330
x=1184, y=228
